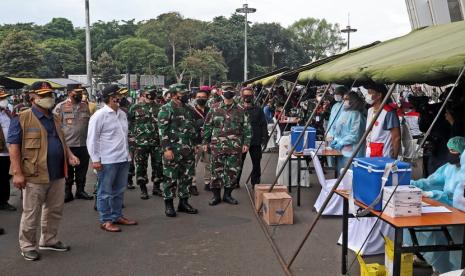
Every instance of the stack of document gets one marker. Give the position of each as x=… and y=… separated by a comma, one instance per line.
x=404, y=202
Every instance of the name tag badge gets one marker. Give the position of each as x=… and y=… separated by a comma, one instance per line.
x=317, y=118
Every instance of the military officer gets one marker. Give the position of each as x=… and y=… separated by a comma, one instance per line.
x=144, y=139
x=177, y=134
x=227, y=132
x=74, y=116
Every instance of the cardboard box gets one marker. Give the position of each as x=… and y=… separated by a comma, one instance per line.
x=260, y=189
x=277, y=208
x=405, y=202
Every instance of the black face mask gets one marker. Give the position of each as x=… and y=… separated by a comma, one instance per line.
x=201, y=102
x=247, y=98
x=228, y=94
x=453, y=159
x=77, y=98
x=184, y=98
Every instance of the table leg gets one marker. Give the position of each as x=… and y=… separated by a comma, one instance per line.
x=299, y=168
x=336, y=173
x=463, y=249
x=289, y=177
x=397, y=251
x=345, y=229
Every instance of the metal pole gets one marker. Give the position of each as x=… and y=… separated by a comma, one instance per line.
x=341, y=176
x=88, y=51
x=245, y=47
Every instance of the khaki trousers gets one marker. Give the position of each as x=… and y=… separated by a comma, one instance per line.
x=203, y=157
x=44, y=202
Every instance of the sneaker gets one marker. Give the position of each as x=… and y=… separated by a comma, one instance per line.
x=32, y=255
x=59, y=246
x=7, y=207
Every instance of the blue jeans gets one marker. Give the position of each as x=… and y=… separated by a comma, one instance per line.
x=112, y=182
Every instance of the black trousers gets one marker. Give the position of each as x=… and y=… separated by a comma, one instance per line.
x=78, y=174
x=4, y=179
x=255, y=152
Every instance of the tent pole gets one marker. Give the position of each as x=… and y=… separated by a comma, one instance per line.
x=269, y=92
x=259, y=95
x=341, y=176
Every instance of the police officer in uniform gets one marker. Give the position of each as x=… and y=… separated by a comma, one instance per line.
x=74, y=116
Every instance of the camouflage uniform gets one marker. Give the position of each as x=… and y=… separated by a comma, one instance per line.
x=226, y=130
x=177, y=133
x=145, y=142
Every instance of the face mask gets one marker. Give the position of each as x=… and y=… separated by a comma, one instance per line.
x=247, y=98
x=346, y=104
x=45, y=103
x=338, y=98
x=201, y=102
x=453, y=159
x=184, y=98
x=77, y=98
x=4, y=103
x=318, y=99
x=369, y=99
x=228, y=95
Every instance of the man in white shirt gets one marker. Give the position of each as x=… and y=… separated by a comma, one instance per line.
x=107, y=143
x=4, y=156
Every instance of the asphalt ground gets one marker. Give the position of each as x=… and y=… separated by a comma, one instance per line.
x=220, y=240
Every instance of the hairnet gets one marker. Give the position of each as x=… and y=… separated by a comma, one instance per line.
x=457, y=144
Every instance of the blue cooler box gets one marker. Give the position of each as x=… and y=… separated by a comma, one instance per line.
x=307, y=141
x=367, y=178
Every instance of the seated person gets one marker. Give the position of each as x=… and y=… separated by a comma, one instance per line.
x=441, y=184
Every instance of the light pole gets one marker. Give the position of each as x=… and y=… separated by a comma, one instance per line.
x=245, y=10
x=348, y=30
x=88, y=51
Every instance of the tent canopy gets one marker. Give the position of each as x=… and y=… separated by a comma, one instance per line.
x=29, y=81
x=433, y=55
x=258, y=79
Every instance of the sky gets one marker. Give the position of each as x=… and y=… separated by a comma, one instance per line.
x=374, y=19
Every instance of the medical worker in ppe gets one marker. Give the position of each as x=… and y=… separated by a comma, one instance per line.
x=336, y=110
x=349, y=128
x=447, y=185
x=441, y=184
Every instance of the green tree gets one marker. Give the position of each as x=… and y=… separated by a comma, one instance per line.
x=58, y=28
x=137, y=55
x=205, y=64
x=318, y=38
x=61, y=58
x=105, y=69
x=19, y=56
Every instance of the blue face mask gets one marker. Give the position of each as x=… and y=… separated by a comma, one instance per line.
x=453, y=159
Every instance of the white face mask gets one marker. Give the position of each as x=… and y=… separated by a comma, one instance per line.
x=369, y=99
x=337, y=98
x=346, y=104
x=318, y=99
x=4, y=103
x=46, y=103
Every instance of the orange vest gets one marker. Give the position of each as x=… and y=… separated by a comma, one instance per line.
x=34, y=148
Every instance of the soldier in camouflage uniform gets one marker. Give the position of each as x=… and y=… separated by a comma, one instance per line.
x=228, y=133
x=144, y=141
x=177, y=134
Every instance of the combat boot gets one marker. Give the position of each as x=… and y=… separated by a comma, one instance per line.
x=143, y=192
x=156, y=190
x=169, y=208
x=216, y=199
x=193, y=190
x=185, y=207
x=68, y=193
x=228, y=198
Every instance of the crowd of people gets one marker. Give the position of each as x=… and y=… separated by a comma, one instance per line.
x=50, y=145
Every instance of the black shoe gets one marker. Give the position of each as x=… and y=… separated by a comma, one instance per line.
x=2, y=231
x=207, y=187
x=32, y=255
x=169, y=208
x=216, y=199
x=59, y=246
x=83, y=195
x=156, y=190
x=7, y=207
x=185, y=207
x=130, y=186
x=228, y=198
x=193, y=190
x=143, y=192
x=69, y=197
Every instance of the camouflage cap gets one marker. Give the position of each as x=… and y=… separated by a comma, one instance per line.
x=178, y=88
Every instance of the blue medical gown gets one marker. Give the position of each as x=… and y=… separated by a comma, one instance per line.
x=347, y=132
x=452, y=180
x=335, y=113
